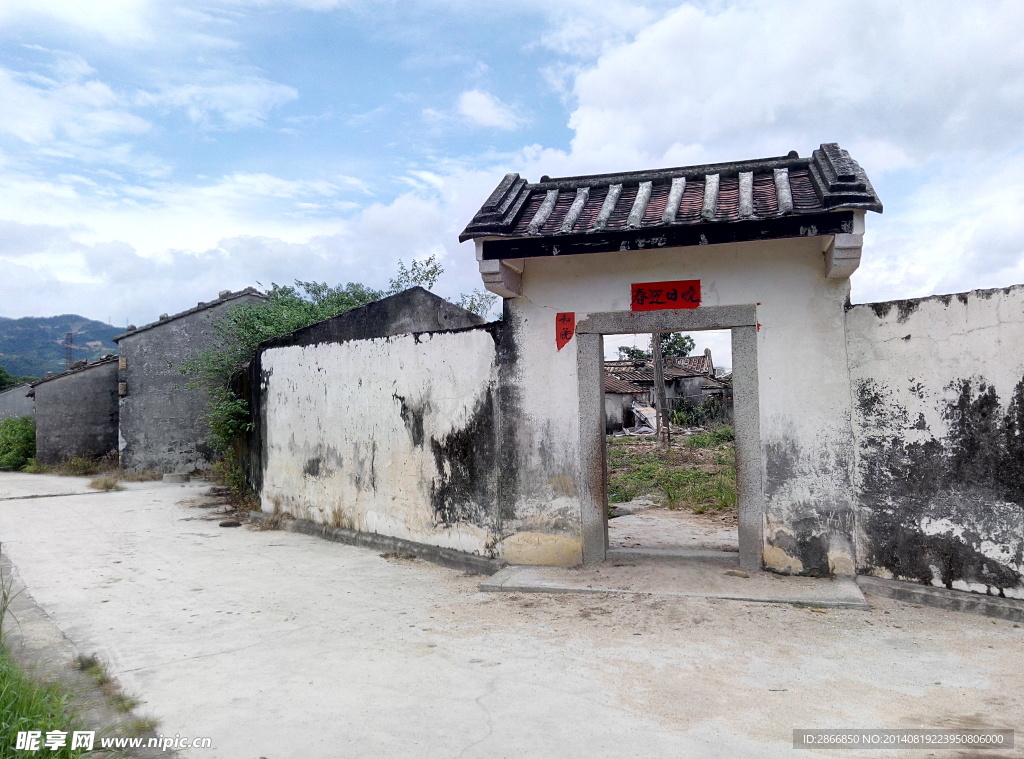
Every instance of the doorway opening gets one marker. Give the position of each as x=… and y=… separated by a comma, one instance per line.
x=591, y=332
x=670, y=448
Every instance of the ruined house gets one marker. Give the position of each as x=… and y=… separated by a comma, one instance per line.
x=77, y=412
x=619, y=396
x=162, y=425
x=869, y=438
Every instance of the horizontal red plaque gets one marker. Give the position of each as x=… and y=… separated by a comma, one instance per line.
x=565, y=328
x=658, y=296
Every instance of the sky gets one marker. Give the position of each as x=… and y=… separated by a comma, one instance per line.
x=156, y=152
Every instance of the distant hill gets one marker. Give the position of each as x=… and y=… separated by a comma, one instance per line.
x=33, y=345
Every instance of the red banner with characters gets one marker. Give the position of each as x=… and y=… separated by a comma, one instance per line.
x=658, y=296
x=565, y=328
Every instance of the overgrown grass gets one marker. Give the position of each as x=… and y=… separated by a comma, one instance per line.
x=105, y=482
x=699, y=475
x=29, y=705
x=712, y=438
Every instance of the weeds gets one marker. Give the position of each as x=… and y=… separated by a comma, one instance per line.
x=699, y=477
x=97, y=670
x=86, y=466
x=146, y=475
x=715, y=437
x=7, y=596
x=28, y=705
x=106, y=482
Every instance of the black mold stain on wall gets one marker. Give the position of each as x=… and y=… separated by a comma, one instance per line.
x=811, y=527
x=465, y=460
x=973, y=478
x=412, y=415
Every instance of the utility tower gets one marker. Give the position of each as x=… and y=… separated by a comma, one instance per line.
x=69, y=345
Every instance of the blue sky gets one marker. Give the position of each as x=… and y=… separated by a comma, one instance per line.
x=155, y=152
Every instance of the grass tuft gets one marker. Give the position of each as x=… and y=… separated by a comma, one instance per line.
x=105, y=482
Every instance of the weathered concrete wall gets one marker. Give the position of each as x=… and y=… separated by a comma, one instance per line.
x=162, y=423
x=938, y=403
x=16, y=402
x=804, y=394
x=615, y=405
x=393, y=435
x=76, y=413
x=411, y=435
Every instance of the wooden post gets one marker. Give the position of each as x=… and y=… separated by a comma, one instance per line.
x=661, y=407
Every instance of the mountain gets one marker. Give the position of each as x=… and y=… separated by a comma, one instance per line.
x=34, y=345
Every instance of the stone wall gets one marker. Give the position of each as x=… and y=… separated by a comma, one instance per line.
x=938, y=408
x=162, y=420
x=405, y=434
x=15, y=402
x=77, y=412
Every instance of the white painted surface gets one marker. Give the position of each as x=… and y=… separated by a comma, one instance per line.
x=804, y=382
x=915, y=359
x=338, y=405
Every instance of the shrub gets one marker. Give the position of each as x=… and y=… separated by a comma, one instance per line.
x=17, y=442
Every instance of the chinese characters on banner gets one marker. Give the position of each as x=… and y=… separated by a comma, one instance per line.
x=657, y=296
x=565, y=328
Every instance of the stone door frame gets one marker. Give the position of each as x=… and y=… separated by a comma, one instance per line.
x=590, y=331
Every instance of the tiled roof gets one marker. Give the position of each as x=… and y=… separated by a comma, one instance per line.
x=704, y=195
x=613, y=384
x=224, y=297
x=646, y=373
x=700, y=364
x=77, y=367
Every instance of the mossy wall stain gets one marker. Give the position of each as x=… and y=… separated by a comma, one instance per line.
x=936, y=509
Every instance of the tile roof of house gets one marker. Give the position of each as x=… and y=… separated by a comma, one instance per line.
x=688, y=196
x=75, y=368
x=224, y=297
x=645, y=373
x=700, y=364
x=613, y=384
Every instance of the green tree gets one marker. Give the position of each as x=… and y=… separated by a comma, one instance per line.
x=238, y=334
x=6, y=380
x=673, y=344
x=17, y=442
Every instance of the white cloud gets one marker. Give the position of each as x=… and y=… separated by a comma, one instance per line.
x=909, y=81
x=223, y=97
x=119, y=21
x=484, y=109
x=39, y=110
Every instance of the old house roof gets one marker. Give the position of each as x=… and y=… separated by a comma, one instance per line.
x=75, y=368
x=224, y=297
x=644, y=373
x=767, y=198
x=613, y=384
x=700, y=364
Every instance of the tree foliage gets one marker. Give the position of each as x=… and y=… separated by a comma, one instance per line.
x=238, y=334
x=17, y=442
x=6, y=380
x=673, y=345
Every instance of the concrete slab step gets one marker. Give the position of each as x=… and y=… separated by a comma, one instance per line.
x=1011, y=609
x=681, y=578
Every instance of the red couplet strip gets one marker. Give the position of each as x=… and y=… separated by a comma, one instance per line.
x=565, y=328
x=658, y=296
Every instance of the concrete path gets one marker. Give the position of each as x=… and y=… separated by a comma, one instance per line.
x=282, y=645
